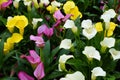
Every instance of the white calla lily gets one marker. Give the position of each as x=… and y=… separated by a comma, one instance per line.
x=108, y=42
x=89, y=33
x=46, y=2
x=62, y=60
x=35, y=21
x=115, y=53
x=86, y=24
x=97, y=71
x=69, y=24
x=91, y=52
x=55, y=3
x=74, y=76
x=66, y=44
x=107, y=15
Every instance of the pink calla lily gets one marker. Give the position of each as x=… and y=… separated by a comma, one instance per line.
x=38, y=40
x=33, y=58
x=58, y=15
x=5, y=4
x=39, y=71
x=43, y=29
x=24, y=76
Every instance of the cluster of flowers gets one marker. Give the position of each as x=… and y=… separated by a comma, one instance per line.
x=65, y=19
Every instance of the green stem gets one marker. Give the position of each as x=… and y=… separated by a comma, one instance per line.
x=41, y=55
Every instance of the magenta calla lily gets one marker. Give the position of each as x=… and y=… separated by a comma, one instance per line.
x=5, y=4
x=43, y=29
x=58, y=15
x=38, y=40
x=33, y=58
x=39, y=71
x=24, y=76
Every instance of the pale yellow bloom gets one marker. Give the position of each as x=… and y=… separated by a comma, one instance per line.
x=17, y=21
x=98, y=26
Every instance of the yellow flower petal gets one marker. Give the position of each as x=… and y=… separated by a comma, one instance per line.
x=52, y=9
x=67, y=6
x=16, y=38
x=98, y=26
x=112, y=26
x=75, y=13
x=2, y=1
x=109, y=32
x=8, y=47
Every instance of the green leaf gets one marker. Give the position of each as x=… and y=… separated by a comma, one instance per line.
x=45, y=54
x=56, y=74
x=9, y=78
x=1, y=52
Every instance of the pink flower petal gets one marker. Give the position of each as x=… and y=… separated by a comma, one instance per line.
x=24, y=76
x=41, y=29
x=38, y=40
x=6, y=4
x=39, y=71
x=58, y=15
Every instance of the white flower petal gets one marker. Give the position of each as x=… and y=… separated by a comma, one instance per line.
x=115, y=54
x=107, y=15
x=62, y=60
x=89, y=33
x=97, y=71
x=46, y=2
x=91, y=52
x=69, y=24
x=108, y=42
x=66, y=44
x=55, y=3
x=74, y=76
x=86, y=24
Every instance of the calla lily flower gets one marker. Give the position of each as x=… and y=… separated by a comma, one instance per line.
x=24, y=76
x=45, y=2
x=5, y=3
x=86, y=24
x=55, y=3
x=118, y=18
x=35, y=21
x=74, y=76
x=66, y=44
x=89, y=30
x=33, y=58
x=70, y=8
x=89, y=33
x=58, y=15
x=107, y=15
x=9, y=44
x=70, y=24
x=115, y=53
x=43, y=29
x=38, y=40
x=91, y=52
x=16, y=3
x=16, y=22
x=39, y=71
x=108, y=42
x=62, y=60
x=97, y=71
